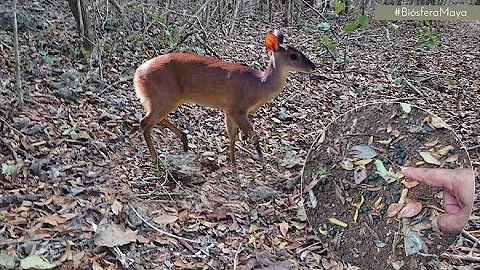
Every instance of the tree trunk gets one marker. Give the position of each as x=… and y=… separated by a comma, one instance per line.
x=80, y=12
x=287, y=16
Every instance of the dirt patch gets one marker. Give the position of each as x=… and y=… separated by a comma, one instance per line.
x=357, y=199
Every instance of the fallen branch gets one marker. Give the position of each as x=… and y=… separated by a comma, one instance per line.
x=18, y=199
x=465, y=258
x=161, y=231
x=413, y=87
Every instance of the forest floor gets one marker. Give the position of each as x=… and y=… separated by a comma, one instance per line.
x=74, y=161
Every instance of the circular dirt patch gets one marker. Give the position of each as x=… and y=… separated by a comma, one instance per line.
x=359, y=202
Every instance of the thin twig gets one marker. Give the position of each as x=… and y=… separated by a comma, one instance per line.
x=161, y=231
x=9, y=146
x=212, y=51
x=413, y=87
x=182, y=40
x=465, y=258
x=475, y=147
x=235, y=258
x=18, y=85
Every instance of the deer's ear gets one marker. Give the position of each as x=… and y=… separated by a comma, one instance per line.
x=271, y=42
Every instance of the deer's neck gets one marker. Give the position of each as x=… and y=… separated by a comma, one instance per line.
x=271, y=83
x=273, y=78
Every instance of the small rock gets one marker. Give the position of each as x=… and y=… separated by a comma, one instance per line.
x=262, y=193
x=291, y=183
x=282, y=115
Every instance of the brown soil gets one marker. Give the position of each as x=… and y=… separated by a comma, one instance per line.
x=375, y=241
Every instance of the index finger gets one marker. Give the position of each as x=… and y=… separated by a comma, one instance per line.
x=434, y=176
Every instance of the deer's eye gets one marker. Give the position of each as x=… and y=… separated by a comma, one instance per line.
x=293, y=56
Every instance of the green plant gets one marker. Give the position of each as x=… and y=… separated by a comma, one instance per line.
x=428, y=40
x=394, y=27
x=11, y=171
x=171, y=32
x=47, y=59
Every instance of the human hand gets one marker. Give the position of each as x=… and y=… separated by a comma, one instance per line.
x=458, y=192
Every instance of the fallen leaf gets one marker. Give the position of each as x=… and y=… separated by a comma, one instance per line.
x=403, y=196
x=452, y=159
x=410, y=183
x=116, y=207
x=435, y=121
x=394, y=208
x=77, y=258
x=388, y=176
x=359, y=174
x=109, y=234
x=412, y=243
x=53, y=220
x=363, y=152
x=429, y=158
x=284, y=228
x=301, y=213
x=363, y=161
x=431, y=143
x=407, y=108
x=82, y=135
x=165, y=219
x=96, y=266
x=337, y=222
x=322, y=137
x=6, y=261
x=346, y=165
x=299, y=225
x=444, y=150
x=411, y=209
x=36, y=262
x=67, y=254
x=395, y=133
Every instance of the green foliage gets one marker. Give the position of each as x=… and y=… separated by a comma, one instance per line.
x=7, y=261
x=449, y=81
x=198, y=50
x=47, y=59
x=337, y=6
x=171, y=32
x=362, y=21
x=394, y=27
x=349, y=27
x=322, y=172
x=11, y=171
x=397, y=81
x=330, y=43
x=324, y=26
x=429, y=40
x=342, y=59
x=36, y=262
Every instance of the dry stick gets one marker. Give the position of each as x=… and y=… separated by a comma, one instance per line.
x=466, y=258
x=470, y=236
x=9, y=146
x=235, y=258
x=413, y=87
x=161, y=231
x=475, y=147
x=195, y=16
x=126, y=262
x=80, y=18
x=321, y=15
x=18, y=199
x=212, y=51
x=18, y=86
x=180, y=42
x=234, y=19
x=189, y=23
